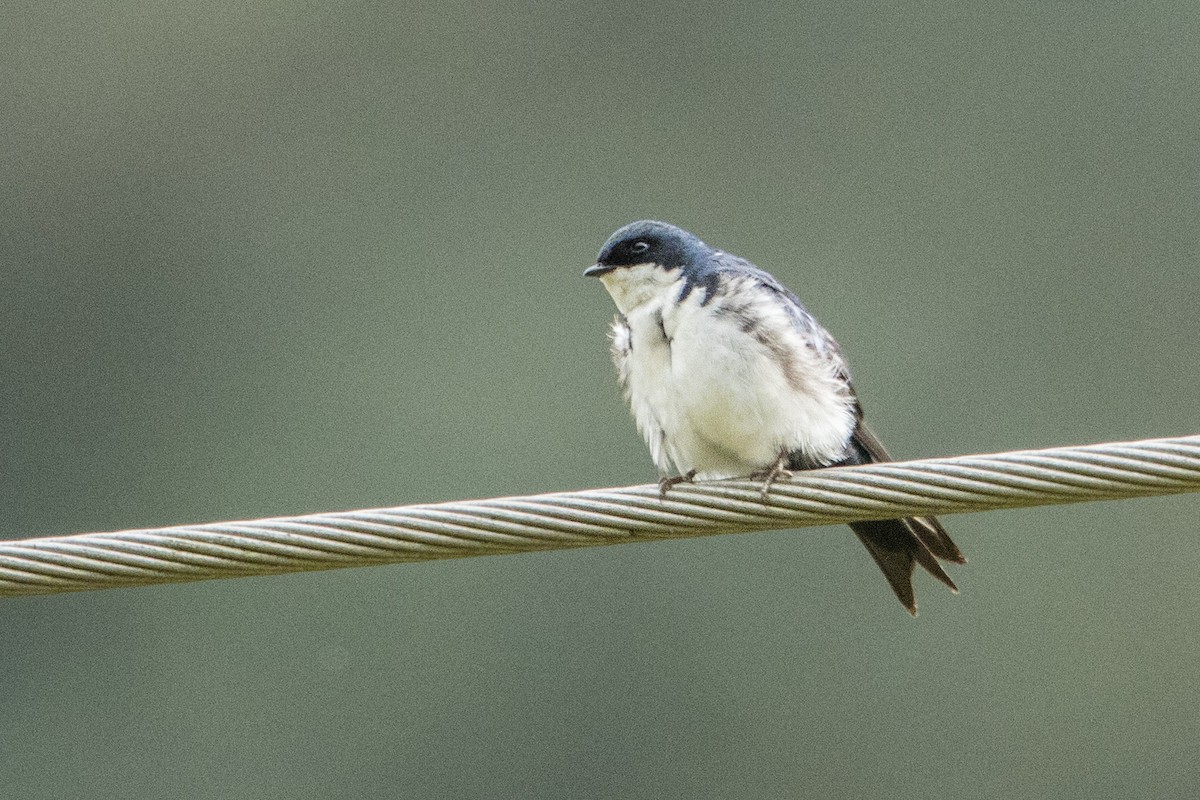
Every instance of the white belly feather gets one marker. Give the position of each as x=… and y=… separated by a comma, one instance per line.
x=722, y=388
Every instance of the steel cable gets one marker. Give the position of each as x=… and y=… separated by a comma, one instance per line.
x=597, y=516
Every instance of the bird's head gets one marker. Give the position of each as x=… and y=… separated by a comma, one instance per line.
x=644, y=258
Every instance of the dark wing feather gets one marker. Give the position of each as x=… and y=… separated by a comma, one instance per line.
x=898, y=545
x=927, y=529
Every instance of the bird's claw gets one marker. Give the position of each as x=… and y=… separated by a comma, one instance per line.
x=771, y=474
x=666, y=483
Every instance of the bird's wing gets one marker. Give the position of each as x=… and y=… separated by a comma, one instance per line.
x=811, y=333
x=896, y=545
x=867, y=449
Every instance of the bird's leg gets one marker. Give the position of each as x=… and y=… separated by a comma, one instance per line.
x=772, y=473
x=667, y=483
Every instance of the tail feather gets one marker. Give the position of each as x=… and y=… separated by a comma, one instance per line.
x=898, y=545
x=931, y=534
x=897, y=550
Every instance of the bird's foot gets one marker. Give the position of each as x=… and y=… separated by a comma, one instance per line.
x=771, y=474
x=666, y=483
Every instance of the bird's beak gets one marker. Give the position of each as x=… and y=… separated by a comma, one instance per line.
x=596, y=270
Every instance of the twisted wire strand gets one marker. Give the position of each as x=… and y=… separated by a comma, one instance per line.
x=598, y=516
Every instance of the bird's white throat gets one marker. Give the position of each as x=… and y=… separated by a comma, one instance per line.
x=638, y=284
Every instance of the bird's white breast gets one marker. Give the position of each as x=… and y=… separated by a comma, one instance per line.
x=722, y=387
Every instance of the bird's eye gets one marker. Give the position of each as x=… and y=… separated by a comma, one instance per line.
x=639, y=247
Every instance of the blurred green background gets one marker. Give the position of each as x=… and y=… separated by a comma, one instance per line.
x=275, y=258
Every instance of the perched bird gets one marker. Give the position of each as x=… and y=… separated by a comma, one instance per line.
x=727, y=375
